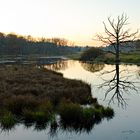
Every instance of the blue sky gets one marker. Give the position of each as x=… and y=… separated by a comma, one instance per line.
x=75, y=20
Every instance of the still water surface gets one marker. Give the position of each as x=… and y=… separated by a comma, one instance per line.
x=125, y=125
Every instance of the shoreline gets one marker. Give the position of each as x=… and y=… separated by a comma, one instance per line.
x=35, y=96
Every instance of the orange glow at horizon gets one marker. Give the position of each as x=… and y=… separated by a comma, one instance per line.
x=75, y=20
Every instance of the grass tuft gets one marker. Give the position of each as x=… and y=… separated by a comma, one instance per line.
x=7, y=121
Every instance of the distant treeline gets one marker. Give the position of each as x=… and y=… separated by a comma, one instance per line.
x=12, y=44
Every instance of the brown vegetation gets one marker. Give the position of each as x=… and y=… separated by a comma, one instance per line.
x=29, y=86
x=34, y=96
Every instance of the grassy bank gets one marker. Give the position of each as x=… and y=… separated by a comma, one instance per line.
x=124, y=58
x=130, y=57
x=97, y=55
x=75, y=56
x=30, y=94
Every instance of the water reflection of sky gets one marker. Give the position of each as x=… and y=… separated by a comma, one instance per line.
x=124, y=126
x=75, y=70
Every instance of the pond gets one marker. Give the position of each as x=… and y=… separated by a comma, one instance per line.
x=125, y=125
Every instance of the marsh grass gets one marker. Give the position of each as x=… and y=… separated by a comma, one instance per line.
x=16, y=104
x=19, y=82
x=124, y=57
x=101, y=111
x=81, y=119
x=88, y=114
x=74, y=116
x=34, y=96
x=40, y=116
x=108, y=112
x=37, y=116
x=28, y=116
x=7, y=121
x=33, y=91
x=70, y=113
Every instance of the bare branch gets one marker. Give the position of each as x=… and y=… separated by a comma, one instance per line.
x=116, y=36
x=108, y=32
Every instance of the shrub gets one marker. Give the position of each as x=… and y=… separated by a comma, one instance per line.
x=91, y=54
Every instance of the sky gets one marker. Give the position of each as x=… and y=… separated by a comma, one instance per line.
x=76, y=20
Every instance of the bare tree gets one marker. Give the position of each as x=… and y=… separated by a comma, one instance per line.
x=59, y=41
x=116, y=33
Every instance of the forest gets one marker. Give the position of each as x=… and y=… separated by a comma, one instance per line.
x=13, y=44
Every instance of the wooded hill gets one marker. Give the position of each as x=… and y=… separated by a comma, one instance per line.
x=12, y=44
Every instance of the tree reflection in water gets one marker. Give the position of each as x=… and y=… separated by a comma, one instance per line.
x=59, y=65
x=92, y=67
x=118, y=85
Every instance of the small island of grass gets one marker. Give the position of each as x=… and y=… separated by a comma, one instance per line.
x=30, y=94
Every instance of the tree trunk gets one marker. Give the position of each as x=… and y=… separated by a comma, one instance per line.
x=117, y=78
x=117, y=50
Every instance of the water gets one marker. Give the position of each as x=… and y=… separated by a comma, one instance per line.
x=125, y=125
